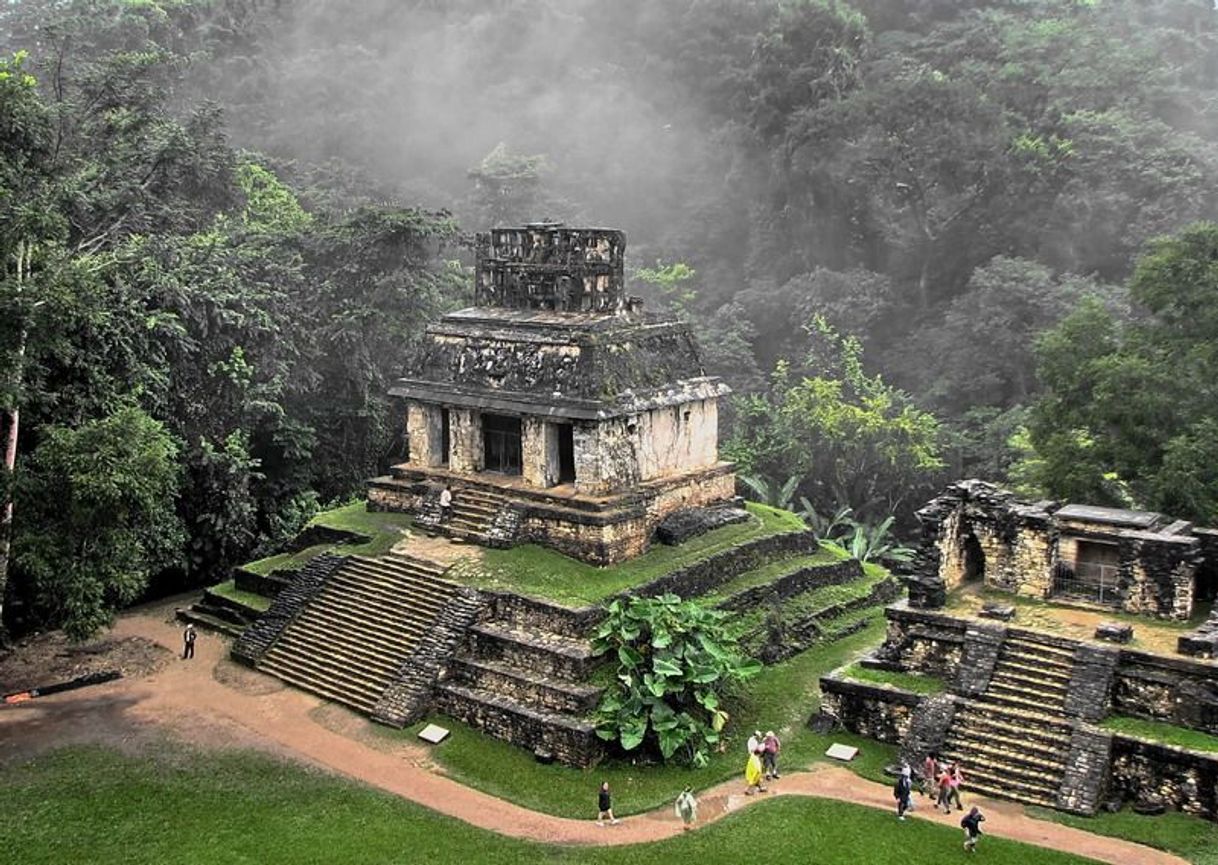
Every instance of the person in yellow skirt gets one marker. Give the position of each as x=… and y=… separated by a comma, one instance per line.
x=753, y=773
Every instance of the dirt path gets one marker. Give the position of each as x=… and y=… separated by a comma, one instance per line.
x=212, y=703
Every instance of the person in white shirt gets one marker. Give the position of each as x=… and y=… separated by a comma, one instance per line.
x=446, y=503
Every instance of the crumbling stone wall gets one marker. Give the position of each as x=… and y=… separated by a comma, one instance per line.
x=921, y=641
x=1180, y=779
x=1175, y=690
x=881, y=713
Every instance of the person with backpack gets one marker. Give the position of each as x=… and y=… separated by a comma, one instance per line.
x=769, y=757
x=902, y=791
x=971, y=824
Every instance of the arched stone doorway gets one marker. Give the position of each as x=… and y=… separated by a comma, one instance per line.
x=972, y=559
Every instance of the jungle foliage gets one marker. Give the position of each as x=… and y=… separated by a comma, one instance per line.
x=907, y=233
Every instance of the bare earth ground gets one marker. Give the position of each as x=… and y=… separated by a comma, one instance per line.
x=210, y=702
x=439, y=548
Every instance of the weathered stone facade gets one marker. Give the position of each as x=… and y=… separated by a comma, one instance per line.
x=1135, y=561
x=1147, y=772
x=880, y=713
x=558, y=384
x=288, y=604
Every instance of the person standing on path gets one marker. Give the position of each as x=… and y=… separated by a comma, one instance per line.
x=687, y=808
x=188, y=641
x=769, y=759
x=604, y=802
x=446, y=503
x=902, y=791
x=953, y=786
x=944, y=782
x=752, y=774
x=971, y=824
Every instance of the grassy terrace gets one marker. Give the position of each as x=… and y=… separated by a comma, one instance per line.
x=245, y=599
x=384, y=529
x=544, y=573
x=1162, y=733
x=914, y=682
x=767, y=573
x=781, y=698
x=89, y=805
x=1076, y=622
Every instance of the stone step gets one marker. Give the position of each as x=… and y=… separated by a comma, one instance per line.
x=395, y=579
x=381, y=605
x=483, y=507
x=1042, y=652
x=339, y=678
x=984, y=788
x=376, y=654
x=1035, y=671
x=466, y=524
x=973, y=749
x=1001, y=786
x=322, y=686
x=1045, y=698
x=1009, y=722
x=333, y=658
x=1024, y=702
x=524, y=687
x=1043, y=645
x=406, y=560
x=331, y=613
x=1050, y=751
x=1019, y=678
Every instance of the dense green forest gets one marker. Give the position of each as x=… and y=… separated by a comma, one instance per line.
x=920, y=238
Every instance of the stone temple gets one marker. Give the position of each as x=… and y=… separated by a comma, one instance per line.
x=559, y=412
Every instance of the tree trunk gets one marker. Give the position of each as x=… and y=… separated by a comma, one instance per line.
x=12, y=427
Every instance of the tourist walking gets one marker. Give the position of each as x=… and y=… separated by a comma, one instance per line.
x=604, y=804
x=956, y=778
x=944, y=783
x=930, y=772
x=755, y=742
x=971, y=824
x=752, y=774
x=188, y=641
x=687, y=808
x=769, y=757
x=902, y=791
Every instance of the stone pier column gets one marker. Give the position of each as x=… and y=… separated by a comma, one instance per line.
x=534, y=453
x=465, y=439
x=423, y=430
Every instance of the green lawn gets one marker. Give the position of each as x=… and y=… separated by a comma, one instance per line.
x=95, y=806
x=782, y=698
x=1190, y=837
x=1163, y=733
x=914, y=682
x=534, y=570
x=383, y=529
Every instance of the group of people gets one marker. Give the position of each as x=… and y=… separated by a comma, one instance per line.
x=942, y=780
x=762, y=763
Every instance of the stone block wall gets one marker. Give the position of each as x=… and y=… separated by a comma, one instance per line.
x=532, y=614
x=1091, y=681
x=1180, y=779
x=1159, y=570
x=928, y=728
x=1085, y=779
x=922, y=641
x=1175, y=690
x=884, y=714
x=795, y=583
x=982, y=643
x=701, y=577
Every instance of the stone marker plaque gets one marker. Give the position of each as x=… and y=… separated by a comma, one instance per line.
x=433, y=734
x=845, y=753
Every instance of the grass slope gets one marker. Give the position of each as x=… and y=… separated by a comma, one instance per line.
x=383, y=529
x=540, y=572
x=88, y=805
x=914, y=682
x=782, y=698
x=1164, y=734
x=1190, y=837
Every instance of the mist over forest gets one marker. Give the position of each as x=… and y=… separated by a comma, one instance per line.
x=921, y=240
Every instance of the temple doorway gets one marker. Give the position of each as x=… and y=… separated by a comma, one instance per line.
x=566, y=452
x=501, y=444
x=445, y=437
x=972, y=559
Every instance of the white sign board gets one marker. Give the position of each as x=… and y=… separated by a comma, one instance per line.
x=841, y=752
x=433, y=734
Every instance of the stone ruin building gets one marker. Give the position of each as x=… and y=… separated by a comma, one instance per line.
x=1132, y=561
x=1022, y=707
x=558, y=411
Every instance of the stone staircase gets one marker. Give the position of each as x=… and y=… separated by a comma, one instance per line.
x=474, y=513
x=349, y=643
x=1014, y=741
x=525, y=683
